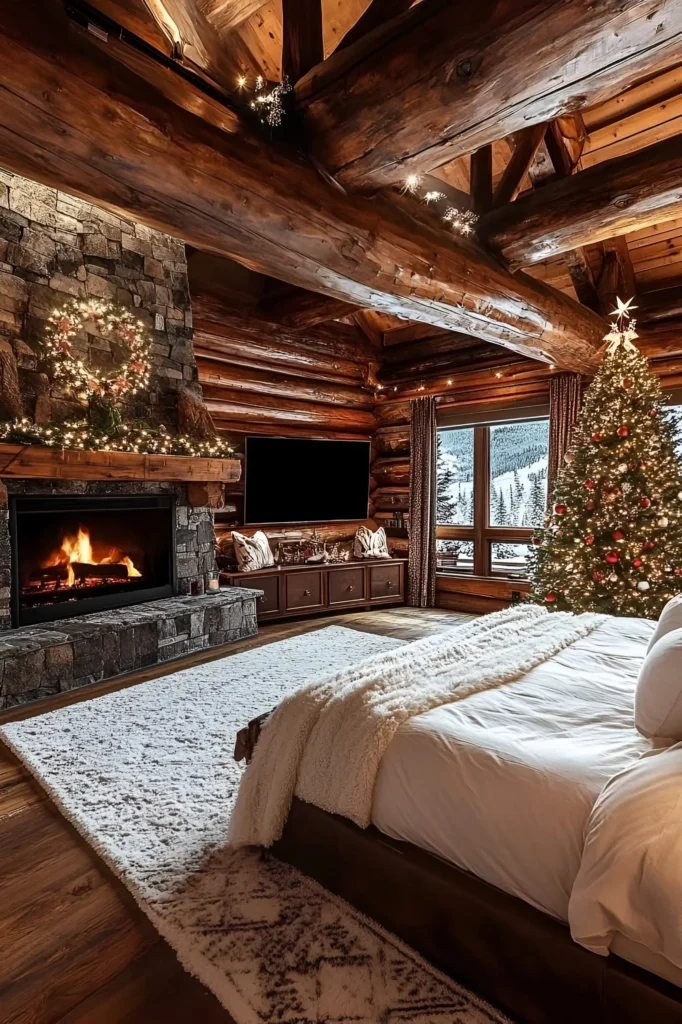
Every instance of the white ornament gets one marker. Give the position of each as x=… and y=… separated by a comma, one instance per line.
x=679, y=495
x=662, y=522
x=643, y=585
x=613, y=578
x=626, y=487
x=623, y=467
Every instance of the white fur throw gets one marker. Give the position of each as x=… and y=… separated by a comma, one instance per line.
x=368, y=544
x=324, y=743
x=252, y=552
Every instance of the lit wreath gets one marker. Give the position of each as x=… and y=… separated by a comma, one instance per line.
x=116, y=323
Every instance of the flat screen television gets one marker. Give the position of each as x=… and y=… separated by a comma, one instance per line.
x=300, y=480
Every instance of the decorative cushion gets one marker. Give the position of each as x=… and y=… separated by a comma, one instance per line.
x=368, y=544
x=252, y=552
x=669, y=619
x=658, y=697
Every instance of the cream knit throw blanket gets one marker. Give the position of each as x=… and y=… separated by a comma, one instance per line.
x=324, y=743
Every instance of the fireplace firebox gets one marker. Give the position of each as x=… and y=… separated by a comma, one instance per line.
x=76, y=555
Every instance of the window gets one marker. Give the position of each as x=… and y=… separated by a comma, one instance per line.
x=492, y=491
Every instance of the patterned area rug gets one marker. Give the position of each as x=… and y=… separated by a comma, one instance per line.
x=147, y=777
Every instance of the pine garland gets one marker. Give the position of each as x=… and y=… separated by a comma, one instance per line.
x=139, y=438
x=613, y=537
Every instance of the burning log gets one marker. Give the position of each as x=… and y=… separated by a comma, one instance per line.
x=107, y=571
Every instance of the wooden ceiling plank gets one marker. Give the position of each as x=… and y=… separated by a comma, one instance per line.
x=664, y=304
x=605, y=201
x=302, y=43
x=97, y=130
x=463, y=64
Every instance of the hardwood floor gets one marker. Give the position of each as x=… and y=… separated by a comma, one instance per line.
x=74, y=947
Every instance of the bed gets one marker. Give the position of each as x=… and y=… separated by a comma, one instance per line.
x=487, y=838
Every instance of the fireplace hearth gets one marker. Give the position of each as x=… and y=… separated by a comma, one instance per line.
x=76, y=555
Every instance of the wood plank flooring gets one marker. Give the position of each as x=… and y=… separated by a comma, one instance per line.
x=74, y=947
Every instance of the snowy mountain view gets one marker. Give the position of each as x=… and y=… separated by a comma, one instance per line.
x=518, y=485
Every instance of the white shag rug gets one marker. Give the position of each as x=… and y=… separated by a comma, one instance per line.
x=146, y=775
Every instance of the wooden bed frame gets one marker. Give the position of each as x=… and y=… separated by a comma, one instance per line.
x=519, y=959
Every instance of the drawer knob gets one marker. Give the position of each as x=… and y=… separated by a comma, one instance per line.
x=350, y=587
x=306, y=593
x=389, y=584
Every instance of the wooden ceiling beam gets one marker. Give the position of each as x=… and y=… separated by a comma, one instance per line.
x=481, y=178
x=528, y=142
x=665, y=304
x=195, y=41
x=302, y=43
x=610, y=199
x=444, y=79
x=298, y=308
x=375, y=15
x=74, y=118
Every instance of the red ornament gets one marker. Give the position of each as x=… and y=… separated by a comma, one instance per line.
x=678, y=572
x=537, y=541
x=627, y=382
x=622, y=431
x=644, y=502
x=642, y=464
x=617, y=534
x=648, y=545
x=637, y=562
x=652, y=413
x=598, y=576
x=589, y=539
x=596, y=437
x=589, y=505
x=551, y=597
x=612, y=557
x=589, y=484
x=560, y=510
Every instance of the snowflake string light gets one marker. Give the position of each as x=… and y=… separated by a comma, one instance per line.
x=433, y=197
x=462, y=221
x=268, y=104
x=411, y=185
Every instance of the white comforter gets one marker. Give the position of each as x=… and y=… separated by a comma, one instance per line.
x=509, y=783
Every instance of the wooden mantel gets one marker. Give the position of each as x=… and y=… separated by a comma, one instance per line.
x=41, y=462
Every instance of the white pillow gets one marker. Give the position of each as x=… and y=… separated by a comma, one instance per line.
x=669, y=619
x=370, y=545
x=252, y=552
x=658, y=697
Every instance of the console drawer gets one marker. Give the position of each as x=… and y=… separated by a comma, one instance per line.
x=303, y=590
x=346, y=585
x=384, y=581
x=268, y=604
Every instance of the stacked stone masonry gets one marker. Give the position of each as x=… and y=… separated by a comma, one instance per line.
x=40, y=661
x=54, y=247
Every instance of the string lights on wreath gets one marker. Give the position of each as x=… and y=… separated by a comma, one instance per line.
x=113, y=323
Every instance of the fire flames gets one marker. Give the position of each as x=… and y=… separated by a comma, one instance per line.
x=79, y=549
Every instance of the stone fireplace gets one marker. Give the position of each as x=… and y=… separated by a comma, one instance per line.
x=98, y=575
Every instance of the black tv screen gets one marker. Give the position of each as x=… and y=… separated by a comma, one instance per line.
x=296, y=480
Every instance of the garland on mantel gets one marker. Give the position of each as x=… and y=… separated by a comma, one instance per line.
x=140, y=439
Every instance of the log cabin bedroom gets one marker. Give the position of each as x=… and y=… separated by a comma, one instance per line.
x=340, y=512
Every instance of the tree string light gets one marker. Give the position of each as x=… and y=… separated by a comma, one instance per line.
x=613, y=537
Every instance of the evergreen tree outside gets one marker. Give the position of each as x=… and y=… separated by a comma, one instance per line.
x=445, y=504
x=613, y=541
x=535, y=509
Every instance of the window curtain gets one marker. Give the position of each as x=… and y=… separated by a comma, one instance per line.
x=421, y=589
x=564, y=409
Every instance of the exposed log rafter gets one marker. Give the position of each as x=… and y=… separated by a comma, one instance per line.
x=302, y=43
x=488, y=69
x=234, y=194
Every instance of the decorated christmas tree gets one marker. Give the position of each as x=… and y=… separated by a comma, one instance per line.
x=613, y=536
